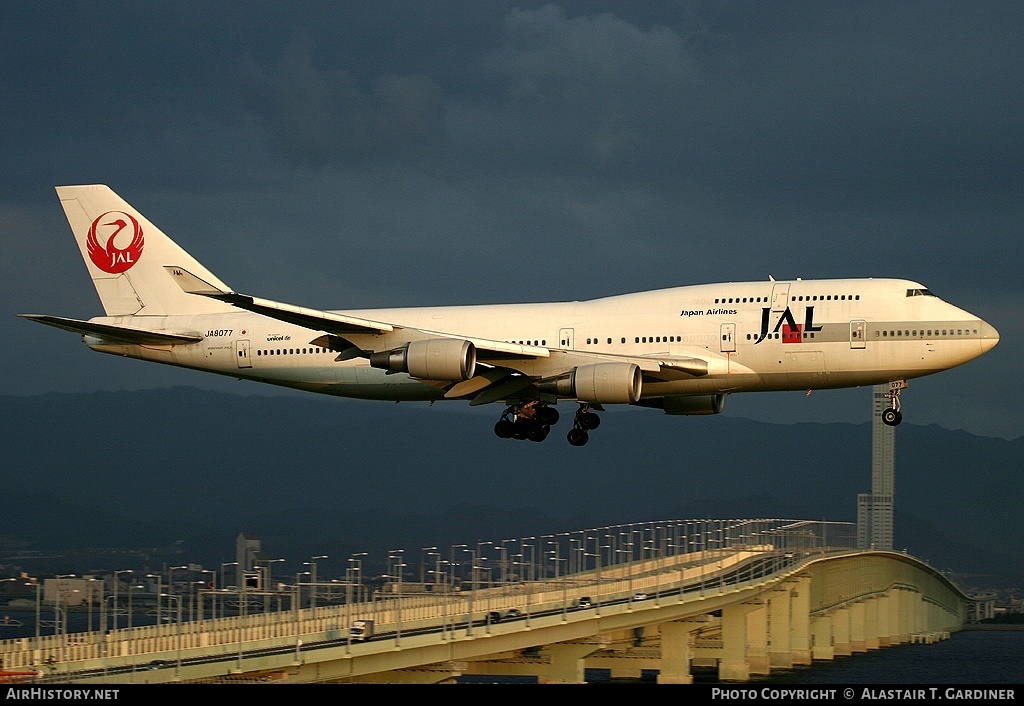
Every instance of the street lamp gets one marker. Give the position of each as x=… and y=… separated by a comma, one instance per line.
x=472, y=592
x=265, y=581
x=117, y=584
x=177, y=667
x=400, y=566
x=296, y=610
x=170, y=589
x=212, y=585
x=224, y=583
x=312, y=572
x=159, y=591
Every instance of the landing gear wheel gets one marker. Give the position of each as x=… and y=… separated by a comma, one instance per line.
x=589, y=420
x=521, y=428
x=547, y=415
x=538, y=432
x=503, y=429
x=578, y=437
x=892, y=417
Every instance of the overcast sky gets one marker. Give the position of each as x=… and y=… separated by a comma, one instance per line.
x=351, y=155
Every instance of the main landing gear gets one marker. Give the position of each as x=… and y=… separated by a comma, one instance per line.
x=892, y=416
x=533, y=420
x=585, y=421
x=528, y=420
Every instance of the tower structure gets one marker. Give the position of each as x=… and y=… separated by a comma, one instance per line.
x=875, y=509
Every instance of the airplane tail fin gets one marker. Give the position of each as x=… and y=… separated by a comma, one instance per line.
x=126, y=256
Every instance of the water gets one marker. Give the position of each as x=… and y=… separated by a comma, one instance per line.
x=968, y=657
x=76, y=622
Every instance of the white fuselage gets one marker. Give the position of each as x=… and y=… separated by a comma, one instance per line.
x=755, y=336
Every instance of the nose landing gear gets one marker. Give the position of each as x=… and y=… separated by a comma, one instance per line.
x=892, y=416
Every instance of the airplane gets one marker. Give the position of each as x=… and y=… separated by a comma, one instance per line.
x=681, y=350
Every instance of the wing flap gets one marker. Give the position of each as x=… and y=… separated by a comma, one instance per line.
x=124, y=334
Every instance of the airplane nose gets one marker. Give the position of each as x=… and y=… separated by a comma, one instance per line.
x=989, y=337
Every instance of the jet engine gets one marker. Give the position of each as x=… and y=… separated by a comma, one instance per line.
x=432, y=359
x=692, y=404
x=611, y=383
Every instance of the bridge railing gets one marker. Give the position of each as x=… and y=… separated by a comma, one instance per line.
x=528, y=573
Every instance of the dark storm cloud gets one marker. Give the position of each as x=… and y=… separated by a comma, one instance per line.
x=434, y=153
x=319, y=117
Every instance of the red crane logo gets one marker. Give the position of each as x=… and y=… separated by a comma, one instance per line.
x=108, y=257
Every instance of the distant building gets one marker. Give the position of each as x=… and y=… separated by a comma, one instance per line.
x=247, y=554
x=875, y=509
x=70, y=591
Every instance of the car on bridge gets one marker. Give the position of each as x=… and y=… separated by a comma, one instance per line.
x=583, y=603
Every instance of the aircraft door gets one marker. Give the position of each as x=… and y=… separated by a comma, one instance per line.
x=728, y=338
x=565, y=338
x=242, y=354
x=857, y=334
x=780, y=297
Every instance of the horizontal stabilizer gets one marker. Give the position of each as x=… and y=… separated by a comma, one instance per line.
x=123, y=334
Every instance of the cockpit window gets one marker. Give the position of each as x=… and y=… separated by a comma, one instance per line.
x=919, y=293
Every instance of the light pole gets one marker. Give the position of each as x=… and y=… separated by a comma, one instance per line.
x=312, y=589
x=472, y=592
x=563, y=579
x=131, y=592
x=212, y=585
x=224, y=583
x=170, y=589
x=442, y=594
x=400, y=566
x=159, y=591
x=39, y=606
x=356, y=562
x=177, y=666
x=269, y=574
x=297, y=611
x=117, y=585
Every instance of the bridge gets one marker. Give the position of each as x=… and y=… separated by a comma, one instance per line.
x=743, y=596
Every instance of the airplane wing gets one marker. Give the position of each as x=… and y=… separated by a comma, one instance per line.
x=125, y=334
x=339, y=324
x=499, y=357
x=314, y=319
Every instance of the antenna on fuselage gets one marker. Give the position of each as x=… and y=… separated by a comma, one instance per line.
x=770, y=278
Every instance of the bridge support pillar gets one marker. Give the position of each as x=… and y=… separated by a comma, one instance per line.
x=674, y=667
x=841, y=633
x=821, y=630
x=567, y=662
x=898, y=633
x=758, y=661
x=857, y=613
x=800, y=620
x=780, y=629
x=733, y=665
x=884, y=611
x=871, y=610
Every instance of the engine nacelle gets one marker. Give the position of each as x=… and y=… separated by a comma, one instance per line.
x=611, y=383
x=432, y=359
x=693, y=404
